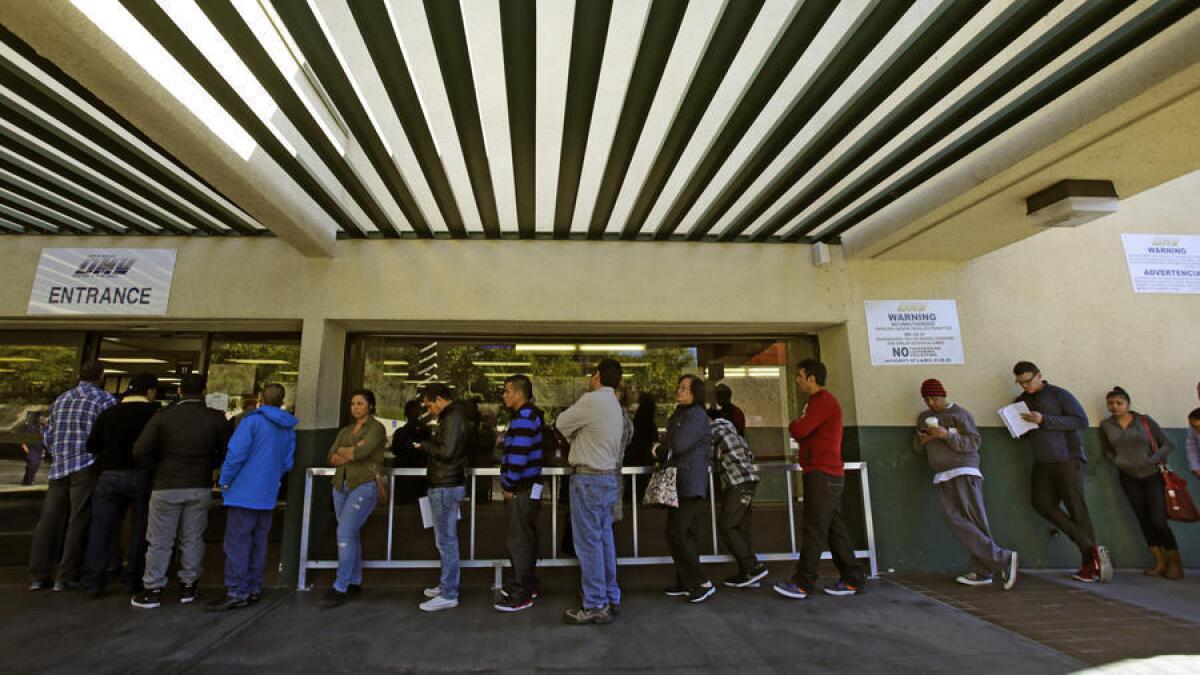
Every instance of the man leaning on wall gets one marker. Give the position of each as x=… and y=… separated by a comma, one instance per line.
x=1058, y=462
x=947, y=436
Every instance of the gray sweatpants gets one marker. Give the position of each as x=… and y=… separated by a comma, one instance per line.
x=962, y=505
x=182, y=511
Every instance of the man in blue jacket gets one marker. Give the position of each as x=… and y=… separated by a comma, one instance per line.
x=260, y=454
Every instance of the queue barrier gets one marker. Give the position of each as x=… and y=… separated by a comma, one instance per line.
x=555, y=474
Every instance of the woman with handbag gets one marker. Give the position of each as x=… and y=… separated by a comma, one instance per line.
x=1137, y=446
x=358, y=455
x=687, y=447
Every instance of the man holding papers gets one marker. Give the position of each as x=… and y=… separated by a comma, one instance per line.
x=947, y=436
x=1058, y=461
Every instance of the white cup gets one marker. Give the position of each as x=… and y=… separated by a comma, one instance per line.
x=931, y=422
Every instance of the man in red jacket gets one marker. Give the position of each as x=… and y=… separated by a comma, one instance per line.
x=819, y=435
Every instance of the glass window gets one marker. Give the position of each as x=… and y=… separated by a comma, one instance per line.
x=241, y=365
x=755, y=370
x=34, y=370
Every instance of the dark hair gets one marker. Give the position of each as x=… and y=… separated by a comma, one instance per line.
x=610, y=372
x=1117, y=392
x=273, y=394
x=412, y=406
x=1024, y=367
x=724, y=394
x=814, y=368
x=1194, y=415
x=522, y=384
x=142, y=383
x=366, y=394
x=697, y=386
x=646, y=408
x=91, y=371
x=436, y=390
x=192, y=384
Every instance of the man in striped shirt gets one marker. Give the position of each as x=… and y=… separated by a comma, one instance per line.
x=520, y=478
x=72, y=478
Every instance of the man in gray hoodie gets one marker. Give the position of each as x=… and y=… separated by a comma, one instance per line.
x=947, y=436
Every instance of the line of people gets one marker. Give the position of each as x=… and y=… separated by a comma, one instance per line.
x=156, y=464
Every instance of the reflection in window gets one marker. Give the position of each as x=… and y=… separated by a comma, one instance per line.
x=240, y=366
x=31, y=377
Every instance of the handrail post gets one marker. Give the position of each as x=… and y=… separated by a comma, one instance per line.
x=472, y=474
x=633, y=489
x=391, y=512
x=302, y=572
x=712, y=503
x=791, y=508
x=870, y=522
x=554, y=517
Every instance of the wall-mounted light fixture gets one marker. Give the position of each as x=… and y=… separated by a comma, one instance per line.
x=1070, y=203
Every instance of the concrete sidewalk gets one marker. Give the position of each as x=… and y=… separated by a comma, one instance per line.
x=889, y=629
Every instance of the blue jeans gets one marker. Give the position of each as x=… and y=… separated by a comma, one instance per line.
x=592, y=499
x=444, y=503
x=117, y=492
x=246, y=533
x=352, y=509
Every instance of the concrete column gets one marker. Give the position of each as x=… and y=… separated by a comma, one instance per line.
x=318, y=406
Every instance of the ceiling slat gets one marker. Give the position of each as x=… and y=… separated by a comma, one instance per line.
x=518, y=26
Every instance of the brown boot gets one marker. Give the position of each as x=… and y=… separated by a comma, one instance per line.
x=1160, y=562
x=1174, y=565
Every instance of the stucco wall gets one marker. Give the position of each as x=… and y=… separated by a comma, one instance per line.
x=1062, y=299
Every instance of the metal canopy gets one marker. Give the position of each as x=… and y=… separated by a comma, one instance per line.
x=708, y=120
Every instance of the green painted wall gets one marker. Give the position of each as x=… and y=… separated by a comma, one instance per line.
x=911, y=535
x=312, y=445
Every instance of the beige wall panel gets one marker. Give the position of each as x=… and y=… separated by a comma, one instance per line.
x=1062, y=299
x=633, y=283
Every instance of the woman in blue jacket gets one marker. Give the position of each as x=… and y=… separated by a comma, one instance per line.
x=687, y=447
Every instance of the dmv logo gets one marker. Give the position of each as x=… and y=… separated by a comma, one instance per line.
x=1165, y=241
x=912, y=307
x=105, y=266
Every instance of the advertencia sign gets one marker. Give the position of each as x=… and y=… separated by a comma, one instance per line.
x=914, y=332
x=1163, y=263
x=123, y=281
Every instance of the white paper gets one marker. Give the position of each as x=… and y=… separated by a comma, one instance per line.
x=914, y=332
x=1163, y=263
x=426, y=512
x=113, y=281
x=1011, y=415
x=536, y=491
x=217, y=401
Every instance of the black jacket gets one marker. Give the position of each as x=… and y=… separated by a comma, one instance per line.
x=183, y=443
x=447, y=448
x=116, y=430
x=688, y=446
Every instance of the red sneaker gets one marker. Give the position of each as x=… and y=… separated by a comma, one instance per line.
x=1088, y=574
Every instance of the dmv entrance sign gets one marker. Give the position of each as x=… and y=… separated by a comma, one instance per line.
x=914, y=332
x=109, y=281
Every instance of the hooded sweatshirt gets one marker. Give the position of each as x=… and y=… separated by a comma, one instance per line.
x=958, y=454
x=260, y=453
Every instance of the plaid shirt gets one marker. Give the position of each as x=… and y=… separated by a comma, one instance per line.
x=732, y=457
x=71, y=419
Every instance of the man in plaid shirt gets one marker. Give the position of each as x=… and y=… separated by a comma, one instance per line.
x=734, y=464
x=72, y=477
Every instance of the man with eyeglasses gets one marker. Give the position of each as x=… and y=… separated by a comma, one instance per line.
x=1058, y=460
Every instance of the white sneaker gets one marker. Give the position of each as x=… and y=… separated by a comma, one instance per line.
x=437, y=604
x=973, y=579
x=432, y=592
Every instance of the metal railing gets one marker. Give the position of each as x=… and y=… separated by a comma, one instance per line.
x=555, y=474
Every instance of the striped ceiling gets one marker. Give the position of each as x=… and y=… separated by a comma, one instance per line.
x=702, y=120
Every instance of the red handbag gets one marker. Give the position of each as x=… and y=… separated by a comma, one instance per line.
x=1180, y=505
